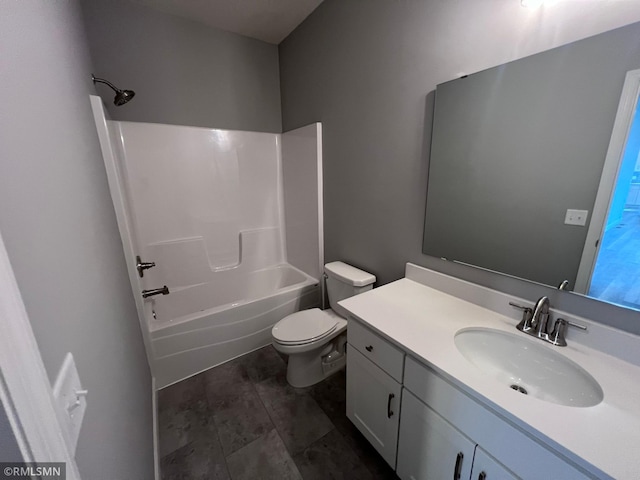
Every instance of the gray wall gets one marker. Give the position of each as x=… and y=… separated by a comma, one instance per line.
x=58, y=224
x=515, y=146
x=366, y=70
x=9, y=450
x=183, y=72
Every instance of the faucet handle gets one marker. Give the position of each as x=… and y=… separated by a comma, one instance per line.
x=577, y=325
x=556, y=337
x=142, y=266
x=521, y=307
x=527, y=316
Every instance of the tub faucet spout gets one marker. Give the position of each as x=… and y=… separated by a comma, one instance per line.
x=155, y=291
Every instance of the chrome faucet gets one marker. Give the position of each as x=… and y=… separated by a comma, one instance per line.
x=540, y=317
x=536, y=322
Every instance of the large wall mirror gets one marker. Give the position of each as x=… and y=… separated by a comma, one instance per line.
x=517, y=173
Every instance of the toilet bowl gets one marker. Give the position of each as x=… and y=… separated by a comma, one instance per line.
x=315, y=339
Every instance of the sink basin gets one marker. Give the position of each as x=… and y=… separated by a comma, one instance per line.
x=525, y=366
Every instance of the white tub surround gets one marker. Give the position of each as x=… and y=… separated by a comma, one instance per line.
x=207, y=207
x=302, y=179
x=421, y=314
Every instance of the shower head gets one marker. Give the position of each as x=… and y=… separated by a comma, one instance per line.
x=122, y=96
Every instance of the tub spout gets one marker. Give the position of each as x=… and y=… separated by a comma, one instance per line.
x=155, y=291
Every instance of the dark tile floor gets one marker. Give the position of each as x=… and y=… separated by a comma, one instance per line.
x=242, y=420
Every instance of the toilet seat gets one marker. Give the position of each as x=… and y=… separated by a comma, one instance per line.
x=306, y=326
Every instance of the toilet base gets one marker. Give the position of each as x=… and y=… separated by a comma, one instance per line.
x=305, y=370
x=308, y=368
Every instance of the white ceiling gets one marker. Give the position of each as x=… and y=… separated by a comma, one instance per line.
x=267, y=20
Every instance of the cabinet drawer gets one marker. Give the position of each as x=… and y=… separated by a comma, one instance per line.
x=385, y=355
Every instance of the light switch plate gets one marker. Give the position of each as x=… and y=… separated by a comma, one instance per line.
x=576, y=217
x=71, y=401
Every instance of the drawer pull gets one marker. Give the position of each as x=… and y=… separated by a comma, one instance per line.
x=458, y=468
x=389, y=412
x=482, y=476
x=369, y=348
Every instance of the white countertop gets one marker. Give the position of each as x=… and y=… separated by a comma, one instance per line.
x=423, y=321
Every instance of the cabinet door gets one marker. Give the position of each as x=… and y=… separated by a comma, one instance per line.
x=430, y=447
x=486, y=468
x=373, y=404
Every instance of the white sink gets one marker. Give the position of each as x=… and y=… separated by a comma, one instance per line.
x=529, y=367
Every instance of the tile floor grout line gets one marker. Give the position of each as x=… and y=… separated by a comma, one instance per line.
x=273, y=422
x=344, y=437
x=275, y=427
x=210, y=414
x=305, y=391
x=225, y=455
x=250, y=443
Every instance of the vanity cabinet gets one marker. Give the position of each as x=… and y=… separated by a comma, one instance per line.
x=500, y=447
x=374, y=389
x=429, y=446
x=412, y=414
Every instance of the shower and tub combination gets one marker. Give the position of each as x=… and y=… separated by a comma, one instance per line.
x=221, y=229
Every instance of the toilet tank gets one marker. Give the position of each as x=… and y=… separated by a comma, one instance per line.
x=344, y=281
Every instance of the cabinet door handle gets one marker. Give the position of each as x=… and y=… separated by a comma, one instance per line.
x=482, y=476
x=458, y=468
x=389, y=412
x=369, y=348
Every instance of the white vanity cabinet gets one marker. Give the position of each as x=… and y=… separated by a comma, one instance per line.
x=427, y=428
x=374, y=389
x=500, y=447
x=430, y=447
x=413, y=331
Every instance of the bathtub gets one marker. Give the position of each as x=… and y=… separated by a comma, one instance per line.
x=200, y=326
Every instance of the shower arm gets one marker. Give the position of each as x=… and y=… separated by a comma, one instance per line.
x=106, y=82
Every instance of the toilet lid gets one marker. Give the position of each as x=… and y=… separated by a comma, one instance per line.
x=304, y=327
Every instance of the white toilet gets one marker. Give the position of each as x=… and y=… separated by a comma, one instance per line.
x=315, y=339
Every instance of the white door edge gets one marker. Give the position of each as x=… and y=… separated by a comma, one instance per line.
x=25, y=389
x=621, y=127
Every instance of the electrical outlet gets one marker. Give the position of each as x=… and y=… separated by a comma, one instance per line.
x=71, y=401
x=576, y=217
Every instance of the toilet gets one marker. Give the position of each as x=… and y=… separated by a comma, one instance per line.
x=315, y=339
